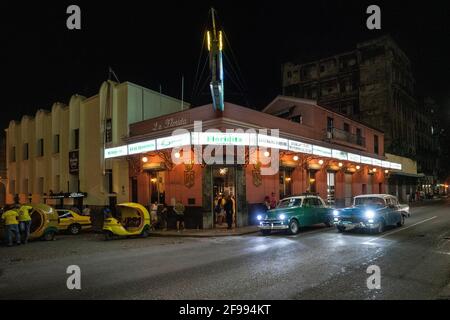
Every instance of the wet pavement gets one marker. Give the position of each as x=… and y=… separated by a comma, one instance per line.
x=318, y=263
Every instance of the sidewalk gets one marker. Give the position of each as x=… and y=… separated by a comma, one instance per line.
x=205, y=232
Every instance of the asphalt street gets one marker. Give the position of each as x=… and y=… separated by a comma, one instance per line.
x=318, y=263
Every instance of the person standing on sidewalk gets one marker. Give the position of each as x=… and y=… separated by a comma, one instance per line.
x=12, y=226
x=25, y=222
x=179, y=211
x=229, y=211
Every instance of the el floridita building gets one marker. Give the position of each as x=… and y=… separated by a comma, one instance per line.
x=118, y=146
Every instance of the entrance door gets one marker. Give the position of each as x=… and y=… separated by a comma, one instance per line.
x=369, y=184
x=224, y=185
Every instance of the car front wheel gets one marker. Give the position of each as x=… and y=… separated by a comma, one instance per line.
x=293, y=227
x=74, y=229
x=401, y=222
x=265, y=232
x=380, y=227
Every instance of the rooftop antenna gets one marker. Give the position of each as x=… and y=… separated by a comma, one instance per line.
x=111, y=72
x=215, y=47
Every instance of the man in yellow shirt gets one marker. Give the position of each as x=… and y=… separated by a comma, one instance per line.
x=11, y=225
x=25, y=222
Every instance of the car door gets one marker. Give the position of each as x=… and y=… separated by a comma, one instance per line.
x=308, y=215
x=65, y=219
x=321, y=211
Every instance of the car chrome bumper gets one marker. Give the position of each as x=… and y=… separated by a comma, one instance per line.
x=272, y=225
x=357, y=225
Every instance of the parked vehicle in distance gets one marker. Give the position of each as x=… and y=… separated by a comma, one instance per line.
x=295, y=212
x=72, y=222
x=372, y=212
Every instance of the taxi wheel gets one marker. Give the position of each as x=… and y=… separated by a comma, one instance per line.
x=108, y=235
x=74, y=229
x=145, y=233
x=49, y=236
x=293, y=227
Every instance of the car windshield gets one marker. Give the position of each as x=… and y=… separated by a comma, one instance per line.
x=287, y=203
x=369, y=201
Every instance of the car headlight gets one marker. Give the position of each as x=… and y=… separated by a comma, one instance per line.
x=259, y=217
x=370, y=214
x=335, y=213
x=282, y=216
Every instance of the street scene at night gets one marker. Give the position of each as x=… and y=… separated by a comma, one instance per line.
x=225, y=151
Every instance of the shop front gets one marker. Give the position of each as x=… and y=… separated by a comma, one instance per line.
x=233, y=156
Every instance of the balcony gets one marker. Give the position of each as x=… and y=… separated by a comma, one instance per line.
x=334, y=134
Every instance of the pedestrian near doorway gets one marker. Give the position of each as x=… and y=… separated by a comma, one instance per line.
x=179, y=211
x=273, y=201
x=229, y=211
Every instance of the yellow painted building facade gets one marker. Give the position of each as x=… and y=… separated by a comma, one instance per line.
x=62, y=151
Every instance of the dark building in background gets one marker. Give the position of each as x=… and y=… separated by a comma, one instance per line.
x=373, y=84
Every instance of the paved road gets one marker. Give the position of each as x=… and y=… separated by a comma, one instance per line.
x=319, y=263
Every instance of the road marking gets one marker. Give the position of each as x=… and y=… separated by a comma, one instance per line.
x=398, y=230
x=442, y=252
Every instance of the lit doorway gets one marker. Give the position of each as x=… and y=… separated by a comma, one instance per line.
x=157, y=186
x=223, y=185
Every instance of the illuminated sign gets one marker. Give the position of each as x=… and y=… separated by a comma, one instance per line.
x=354, y=157
x=396, y=166
x=142, y=147
x=116, y=152
x=385, y=164
x=341, y=155
x=376, y=162
x=173, y=141
x=366, y=160
x=272, y=142
x=297, y=146
x=321, y=151
x=221, y=138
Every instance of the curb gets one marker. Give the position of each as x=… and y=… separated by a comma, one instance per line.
x=187, y=235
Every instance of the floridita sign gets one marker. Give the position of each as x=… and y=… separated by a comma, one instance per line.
x=171, y=122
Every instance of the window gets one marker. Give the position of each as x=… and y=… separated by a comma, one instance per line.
x=330, y=124
x=56, y=143
x=76, y=138
x=25, y=151
x=346, y=127
x=108, y=131
x=297, y=119
x=358, y=136
x=109, y=180
x=12, y=187
x=13, y=154
x=41, y=185
x=375, y=144
x=40, y=148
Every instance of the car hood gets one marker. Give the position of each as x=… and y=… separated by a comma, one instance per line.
x=357, y=211
x=274, y=213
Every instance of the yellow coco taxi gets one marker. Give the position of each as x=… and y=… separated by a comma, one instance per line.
x=44, y=222
x=72, y=222
x=132, y=219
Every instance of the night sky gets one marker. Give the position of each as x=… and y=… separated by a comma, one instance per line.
x=153, y=43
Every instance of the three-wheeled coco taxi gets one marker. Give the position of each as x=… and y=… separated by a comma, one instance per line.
x=133, y=219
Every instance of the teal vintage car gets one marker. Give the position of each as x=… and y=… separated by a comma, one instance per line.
x=295, y=212
x=372, y=212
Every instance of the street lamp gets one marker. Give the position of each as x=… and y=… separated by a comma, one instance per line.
x=321, y=162
x=295, y=158
x=144, y=159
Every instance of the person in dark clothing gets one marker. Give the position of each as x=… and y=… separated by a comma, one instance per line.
x=229, y=211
